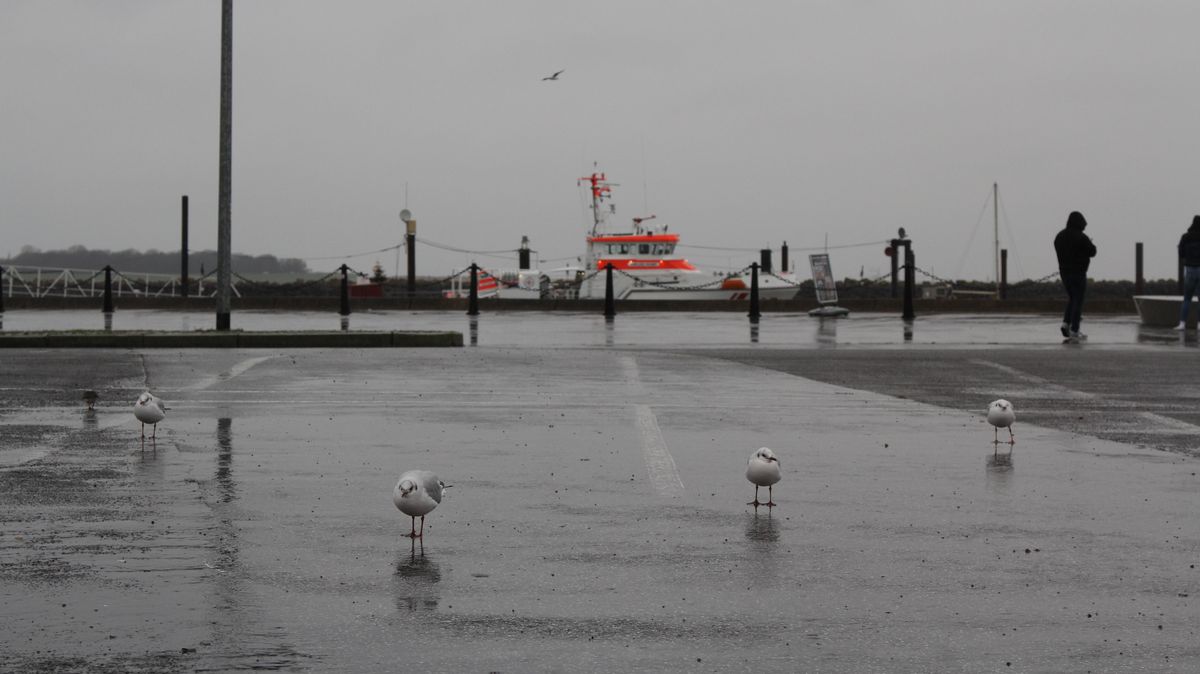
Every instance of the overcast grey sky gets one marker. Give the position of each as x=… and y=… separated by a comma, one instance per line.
x=740, y=124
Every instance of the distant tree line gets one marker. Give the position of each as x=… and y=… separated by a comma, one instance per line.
x=153, y=261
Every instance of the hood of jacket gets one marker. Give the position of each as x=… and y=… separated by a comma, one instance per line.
x=1077, y=222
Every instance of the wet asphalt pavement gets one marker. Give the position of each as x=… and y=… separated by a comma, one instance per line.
x=597, y=518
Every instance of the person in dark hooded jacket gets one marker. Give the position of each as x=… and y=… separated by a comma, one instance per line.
x=1189, y=254
x=1075, y=252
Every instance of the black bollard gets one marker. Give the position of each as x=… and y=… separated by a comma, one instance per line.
x=1139, y=279
x=910, y=262
x=410, y=246
x=754, y=312
x=345, y=309
x=1003, y=273
x=765, y=256
x=610, y=306
x=783, y=258
x=108, y=305
x=1, y=290
x=473, y=295
x=183, y=252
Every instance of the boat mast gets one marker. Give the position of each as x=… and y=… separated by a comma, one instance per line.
x=601, y=189
x=996, y=232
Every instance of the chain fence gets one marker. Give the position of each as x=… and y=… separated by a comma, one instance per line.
x=786, y=281
x=88, y=283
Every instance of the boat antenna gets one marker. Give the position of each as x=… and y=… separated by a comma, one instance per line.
x=601, y=190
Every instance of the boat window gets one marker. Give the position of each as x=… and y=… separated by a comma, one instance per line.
x=644, y=249
x=623, y=249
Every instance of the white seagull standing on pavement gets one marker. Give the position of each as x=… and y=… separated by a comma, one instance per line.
x=763, y=471
x=1001, y=415
x=554, y=77
x=149, y=410
x=417, y=493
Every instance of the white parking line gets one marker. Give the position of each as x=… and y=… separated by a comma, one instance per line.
x=664, y=476
x=236, y=370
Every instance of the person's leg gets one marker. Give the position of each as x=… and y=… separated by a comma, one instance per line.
x=1067, y=312
x=1191, y=283
x=1080, y=291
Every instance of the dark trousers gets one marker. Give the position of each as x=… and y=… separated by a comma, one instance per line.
x=1076, y=285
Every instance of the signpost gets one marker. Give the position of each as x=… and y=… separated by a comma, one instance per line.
x=826, y=287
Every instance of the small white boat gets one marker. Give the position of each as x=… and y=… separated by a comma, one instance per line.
x=1162, y=311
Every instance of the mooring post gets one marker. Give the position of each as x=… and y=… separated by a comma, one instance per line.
x=1139, y=279
x=108, y=305
x=183, y=252
x=765, y=256
x=1003, y=273
x=895, y=255
x=1, y=290
x=610, y=308
x=910, y=262
x=410, y=246
x=783, y=258
x=473, y=295
x=754, y=312
x=345, y=308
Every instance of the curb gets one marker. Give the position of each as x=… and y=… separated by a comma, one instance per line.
x=227, y=340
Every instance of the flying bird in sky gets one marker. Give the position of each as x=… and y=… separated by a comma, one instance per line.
x=554, y=77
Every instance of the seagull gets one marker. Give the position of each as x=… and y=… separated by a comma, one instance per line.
x=1001, y=415
x=149, y=410
x=763, y=471
x=417, y=493
x=90, y=397
x=554, y=77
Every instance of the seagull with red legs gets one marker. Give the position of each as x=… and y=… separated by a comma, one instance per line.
x=416, y=494
x=763, y=471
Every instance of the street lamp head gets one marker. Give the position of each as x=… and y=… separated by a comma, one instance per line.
x=405, y=215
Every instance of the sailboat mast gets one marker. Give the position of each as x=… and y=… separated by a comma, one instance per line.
x=996, y=232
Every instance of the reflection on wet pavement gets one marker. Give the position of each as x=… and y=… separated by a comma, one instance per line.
x=415, y=581
x=261, y=533
x=761, y=528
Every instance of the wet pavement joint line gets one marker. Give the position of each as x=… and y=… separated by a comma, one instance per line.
x=664, y=476
x=1170, y=422
x=1034, y=379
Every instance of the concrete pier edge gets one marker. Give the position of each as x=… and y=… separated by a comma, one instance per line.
x=235, y=339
